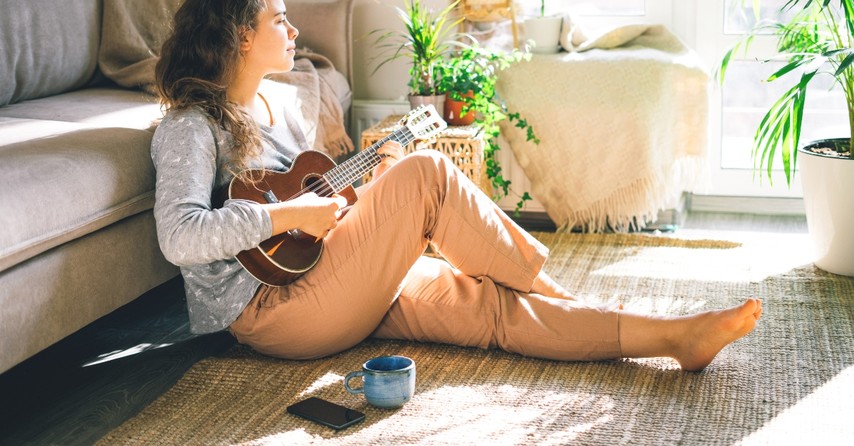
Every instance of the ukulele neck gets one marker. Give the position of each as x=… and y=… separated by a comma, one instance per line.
x=346, y=173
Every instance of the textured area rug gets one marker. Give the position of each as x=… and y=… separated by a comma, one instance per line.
x=791, y=381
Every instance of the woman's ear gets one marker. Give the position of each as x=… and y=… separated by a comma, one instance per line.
x=247, y=35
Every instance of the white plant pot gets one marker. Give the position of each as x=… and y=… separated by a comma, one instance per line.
x=828, y=187
x=438, y=101
x=545, y=32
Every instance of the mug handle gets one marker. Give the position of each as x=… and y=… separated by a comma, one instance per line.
x=350, y=376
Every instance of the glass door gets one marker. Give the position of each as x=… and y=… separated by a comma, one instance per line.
x=739, y=105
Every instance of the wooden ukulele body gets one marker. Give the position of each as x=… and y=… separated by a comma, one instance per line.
x=285, y=257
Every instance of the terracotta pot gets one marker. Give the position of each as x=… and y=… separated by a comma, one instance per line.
x=453, y=110
x=828, y=183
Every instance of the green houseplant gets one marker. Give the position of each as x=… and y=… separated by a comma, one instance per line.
x=425, y=40
x=818, y=40
x=469, y=75
x=441, y=62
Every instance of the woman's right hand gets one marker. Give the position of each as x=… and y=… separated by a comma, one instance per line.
x=310, y=213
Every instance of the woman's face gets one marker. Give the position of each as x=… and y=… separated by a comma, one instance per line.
x=272, y=42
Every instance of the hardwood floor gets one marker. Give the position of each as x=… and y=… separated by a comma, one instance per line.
x=81, y=388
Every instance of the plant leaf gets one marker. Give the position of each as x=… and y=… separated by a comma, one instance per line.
x=845, y=64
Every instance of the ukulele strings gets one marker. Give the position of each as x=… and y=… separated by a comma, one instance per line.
x=367, y=158
x=342, y=176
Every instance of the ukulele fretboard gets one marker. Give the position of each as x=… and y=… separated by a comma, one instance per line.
x=346, y=173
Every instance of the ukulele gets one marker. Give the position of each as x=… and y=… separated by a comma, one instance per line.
x=285, y=257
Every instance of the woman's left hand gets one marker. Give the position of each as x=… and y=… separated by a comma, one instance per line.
x=393, y=152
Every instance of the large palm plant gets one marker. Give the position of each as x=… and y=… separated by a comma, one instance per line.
x=816, y=41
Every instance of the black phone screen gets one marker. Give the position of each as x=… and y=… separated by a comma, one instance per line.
x=326, y=413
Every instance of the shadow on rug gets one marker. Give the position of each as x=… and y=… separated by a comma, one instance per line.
x=790, y=381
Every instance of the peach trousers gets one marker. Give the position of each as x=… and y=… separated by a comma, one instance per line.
x=372, y=279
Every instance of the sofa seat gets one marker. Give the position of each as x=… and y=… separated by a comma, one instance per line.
x=97, y=107
x=75, y=163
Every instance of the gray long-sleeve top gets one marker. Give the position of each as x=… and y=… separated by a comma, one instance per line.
x=190, y=155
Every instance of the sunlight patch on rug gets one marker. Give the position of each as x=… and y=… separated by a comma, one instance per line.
x=827, y=409
x=742, y=264
x=329, y=379
x=509, y=414
x=689, y=256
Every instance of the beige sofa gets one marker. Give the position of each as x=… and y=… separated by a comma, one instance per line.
x=77, y=236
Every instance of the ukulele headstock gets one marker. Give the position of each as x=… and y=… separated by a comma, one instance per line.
x=424, y=122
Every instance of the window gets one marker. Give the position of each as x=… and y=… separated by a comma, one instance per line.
x=744, y=105
x=602, y=14
x=740, y=15
x=739, y=105
x=589, y=7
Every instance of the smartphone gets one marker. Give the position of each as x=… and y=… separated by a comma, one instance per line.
x=326, y=413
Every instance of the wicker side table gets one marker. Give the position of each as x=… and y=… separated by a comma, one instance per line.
x=462, y=144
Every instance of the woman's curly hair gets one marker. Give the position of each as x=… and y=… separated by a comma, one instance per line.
x=200, y=59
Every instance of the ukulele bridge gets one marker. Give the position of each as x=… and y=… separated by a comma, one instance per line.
x=270, y=197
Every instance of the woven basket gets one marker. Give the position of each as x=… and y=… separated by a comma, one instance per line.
x=464, y=145
x=487, y=10
x=491, y=11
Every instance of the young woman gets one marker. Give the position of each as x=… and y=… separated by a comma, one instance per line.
x=371, y=279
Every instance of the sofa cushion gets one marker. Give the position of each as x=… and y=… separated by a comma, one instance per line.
x=133, y=32
x=68, y=182
x=47, y=47
x=15, y=130
x=102, y=107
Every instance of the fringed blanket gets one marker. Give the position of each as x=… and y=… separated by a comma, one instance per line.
x=622, y=121
x=134, y=31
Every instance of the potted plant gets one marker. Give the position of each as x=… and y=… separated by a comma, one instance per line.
x=426, y=39
x=817, y=41
x=544, y=31
x=468, y=76
x=461, y=75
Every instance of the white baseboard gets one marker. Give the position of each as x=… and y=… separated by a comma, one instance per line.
x=747, y=205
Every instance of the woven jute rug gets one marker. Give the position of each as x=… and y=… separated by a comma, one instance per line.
x=791, y=381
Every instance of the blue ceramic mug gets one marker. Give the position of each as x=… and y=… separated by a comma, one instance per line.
x=388, y=381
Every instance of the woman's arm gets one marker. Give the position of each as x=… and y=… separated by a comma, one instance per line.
x=309, y=213
x=190, y=231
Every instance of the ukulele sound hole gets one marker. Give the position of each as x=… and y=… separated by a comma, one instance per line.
x=316, y=183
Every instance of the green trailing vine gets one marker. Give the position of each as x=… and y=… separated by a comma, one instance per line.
x=470, y=75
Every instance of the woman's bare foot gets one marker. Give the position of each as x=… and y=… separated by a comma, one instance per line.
x=708, y=333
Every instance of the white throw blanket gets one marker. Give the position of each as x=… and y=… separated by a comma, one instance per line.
x=623, y=124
